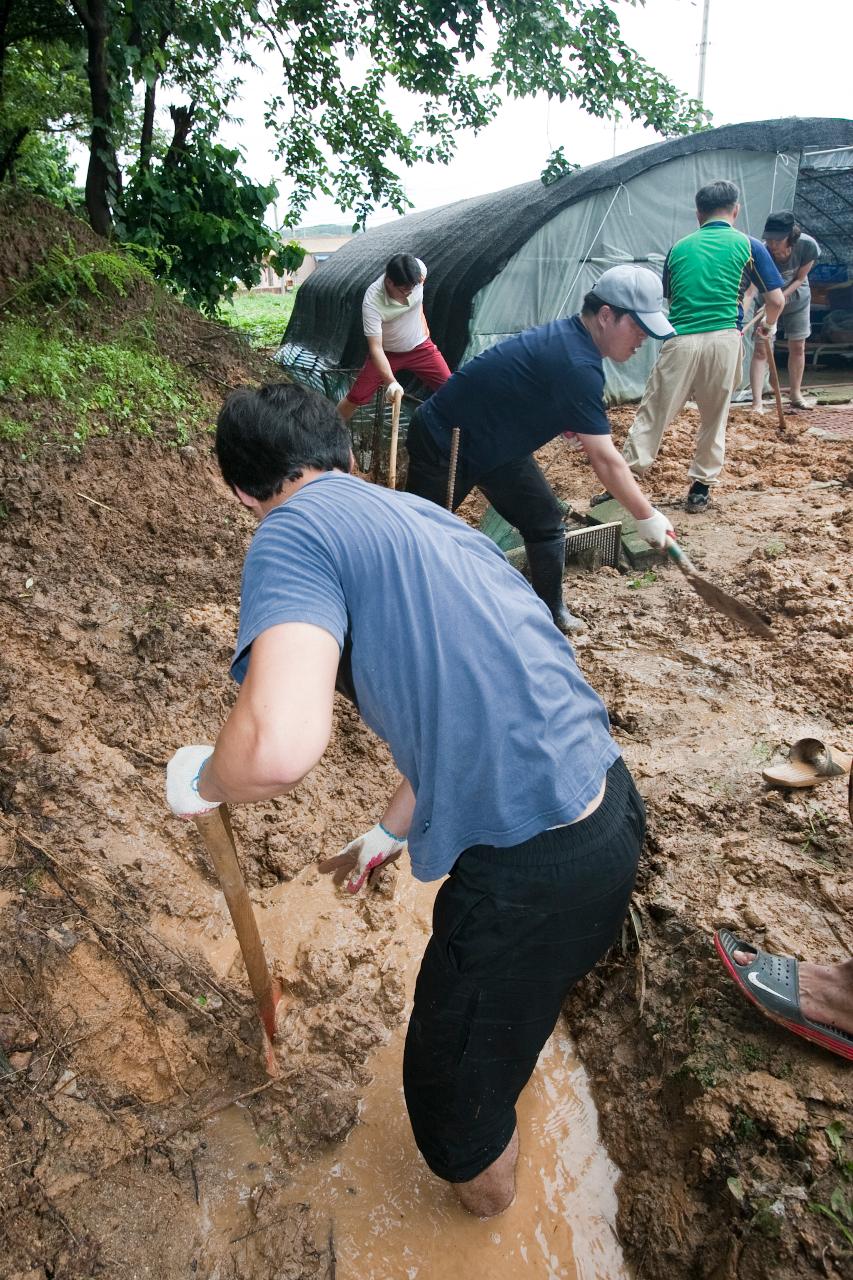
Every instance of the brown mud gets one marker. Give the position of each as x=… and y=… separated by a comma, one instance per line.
x=140, y=1136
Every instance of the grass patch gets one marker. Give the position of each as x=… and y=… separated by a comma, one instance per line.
x=761, y=751
x=646, y=579
x=840, y=1208
x=814, y=835
x=260, y=317
x=95, y=388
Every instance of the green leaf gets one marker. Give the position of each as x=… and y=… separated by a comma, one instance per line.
x=735, y=1186
x=835, y=1135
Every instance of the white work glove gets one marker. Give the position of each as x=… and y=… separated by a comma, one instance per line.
x=393, y=389
x=767, y=332
x=362, y=856
x=654, y=529
x=182, y=775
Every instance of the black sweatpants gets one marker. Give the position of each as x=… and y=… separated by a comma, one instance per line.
x=513, y=931
x=518, y=490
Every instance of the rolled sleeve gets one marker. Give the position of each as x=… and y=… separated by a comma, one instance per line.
x=288, y=577
x=762, y=270
x=371, y=320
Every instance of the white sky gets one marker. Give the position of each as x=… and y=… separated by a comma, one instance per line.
x=764, y=61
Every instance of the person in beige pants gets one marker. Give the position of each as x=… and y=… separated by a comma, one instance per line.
x=705, y=367
x=705, y=277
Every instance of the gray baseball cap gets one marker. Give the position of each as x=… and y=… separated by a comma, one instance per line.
x=638, y=291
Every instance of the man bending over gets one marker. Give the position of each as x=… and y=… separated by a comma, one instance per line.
x=397, y=335
x=512, y=787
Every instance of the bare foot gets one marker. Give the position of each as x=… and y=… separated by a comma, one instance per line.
x=826, y=991
x=493, y=1190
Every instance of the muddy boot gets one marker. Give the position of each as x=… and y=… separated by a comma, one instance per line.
x=546, y=561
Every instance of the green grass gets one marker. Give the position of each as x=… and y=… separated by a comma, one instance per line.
x=96, y=388
x=261, y=317
x=645, y=580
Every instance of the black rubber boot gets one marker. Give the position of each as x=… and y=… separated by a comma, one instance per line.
x=546, y=561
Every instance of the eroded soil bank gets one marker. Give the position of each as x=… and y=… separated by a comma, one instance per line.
x=124, y=1011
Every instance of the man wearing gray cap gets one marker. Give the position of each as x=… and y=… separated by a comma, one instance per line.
x=521, y=393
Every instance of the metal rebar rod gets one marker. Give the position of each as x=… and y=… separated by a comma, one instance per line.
x=451, y=471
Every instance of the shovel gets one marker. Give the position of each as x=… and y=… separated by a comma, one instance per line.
x=715, y=596
x=215, y=830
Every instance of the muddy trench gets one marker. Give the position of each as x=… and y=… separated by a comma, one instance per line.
x=140, y=1135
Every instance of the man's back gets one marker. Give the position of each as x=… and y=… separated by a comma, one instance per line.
x=515, y=396
x=455, y=663
x=704, y=278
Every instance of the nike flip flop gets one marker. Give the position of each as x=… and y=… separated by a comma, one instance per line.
x=772, y=984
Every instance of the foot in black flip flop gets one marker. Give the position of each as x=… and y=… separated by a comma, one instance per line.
x=772, y=983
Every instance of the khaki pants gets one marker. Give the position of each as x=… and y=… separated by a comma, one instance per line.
x=705, y=366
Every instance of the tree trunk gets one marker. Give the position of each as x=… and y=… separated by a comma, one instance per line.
x=103, y=181
x=5, y=14
x=182, y=118
x=10, y=154
x=147, y=136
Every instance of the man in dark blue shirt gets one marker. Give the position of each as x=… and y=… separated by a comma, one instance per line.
x=520, y=394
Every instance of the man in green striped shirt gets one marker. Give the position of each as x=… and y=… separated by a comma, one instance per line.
x=705, y=277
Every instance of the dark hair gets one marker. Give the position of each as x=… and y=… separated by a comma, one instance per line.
x=270, y=434
x=592, y=304
x=403, y=269
x=717, y=195
x=782, y=226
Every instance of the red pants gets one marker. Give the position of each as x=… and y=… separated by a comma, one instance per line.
x=425, y=361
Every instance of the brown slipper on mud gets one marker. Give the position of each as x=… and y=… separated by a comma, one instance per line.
x=809, y=762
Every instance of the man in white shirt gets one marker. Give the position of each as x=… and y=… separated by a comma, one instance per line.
x=397, y=335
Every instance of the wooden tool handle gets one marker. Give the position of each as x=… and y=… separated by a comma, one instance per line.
x=759, y=315
x=218, y=837
x=395, y=430
x=774, y=382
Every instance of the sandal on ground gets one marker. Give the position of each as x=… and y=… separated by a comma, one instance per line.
x=799, y=403
x=772, y=983
x=809, y=762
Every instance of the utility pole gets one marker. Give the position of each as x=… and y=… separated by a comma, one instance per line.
x=703, y=51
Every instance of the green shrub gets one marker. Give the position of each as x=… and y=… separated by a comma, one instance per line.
x=99, y=386
x=66, y=278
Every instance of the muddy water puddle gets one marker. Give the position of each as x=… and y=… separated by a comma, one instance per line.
x=372, y=1200
x=389, y=1217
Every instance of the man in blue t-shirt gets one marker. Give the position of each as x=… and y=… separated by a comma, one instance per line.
x=512, y=786
x=521, y=393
